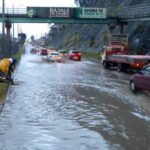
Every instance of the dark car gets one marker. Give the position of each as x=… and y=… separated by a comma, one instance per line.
x=74, y=55
x=141, y=80
x=43, y=52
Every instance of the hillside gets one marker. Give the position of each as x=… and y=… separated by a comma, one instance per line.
x=92, y=37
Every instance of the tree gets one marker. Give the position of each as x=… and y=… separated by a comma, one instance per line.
x=92, y=41
x=32, y=38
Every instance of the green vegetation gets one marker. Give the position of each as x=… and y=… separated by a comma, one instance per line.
x=138, y=28
x=19, y=54
x=92, y=41
x=3, y=91
x=104, y=37
x=72, y=39
x=90, y=54
x=111, y=2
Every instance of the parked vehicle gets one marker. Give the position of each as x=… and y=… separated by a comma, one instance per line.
x=117, y=56
x=74, y=55
x=141, y=80
x=53, y=56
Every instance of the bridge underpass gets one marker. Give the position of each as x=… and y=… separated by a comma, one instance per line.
x=123, y=14
x=61, y=16
x=17, y=15
x=113, y=18
x=118, y=17
x=24, y=19
x=57, y=15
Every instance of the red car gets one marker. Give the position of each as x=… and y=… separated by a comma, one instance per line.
x=141, y=80
x=43, y=52
x=74, y=55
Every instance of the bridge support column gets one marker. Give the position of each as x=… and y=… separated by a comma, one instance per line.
x=8, y=40
x=111, y=27
x=121, y=26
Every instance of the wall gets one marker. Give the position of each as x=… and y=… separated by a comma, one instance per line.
x=92, y=37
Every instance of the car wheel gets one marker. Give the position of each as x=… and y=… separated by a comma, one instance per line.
x=106, y=65
x=133, y=86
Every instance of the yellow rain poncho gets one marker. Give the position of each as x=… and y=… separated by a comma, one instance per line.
x=4, y=65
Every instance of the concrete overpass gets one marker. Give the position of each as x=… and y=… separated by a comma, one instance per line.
x=121, y=14
x=113, y=17
x=19, y=15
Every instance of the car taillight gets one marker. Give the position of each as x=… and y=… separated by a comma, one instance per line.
x=137, y=64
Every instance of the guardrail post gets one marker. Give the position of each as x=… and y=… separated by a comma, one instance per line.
x=121, y=26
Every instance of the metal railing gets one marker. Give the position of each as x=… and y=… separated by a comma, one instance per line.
x=14, y=11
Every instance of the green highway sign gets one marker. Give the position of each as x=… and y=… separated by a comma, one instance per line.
x=59, y=12
x=49, y=12
x=66, y=12
x=90, y=13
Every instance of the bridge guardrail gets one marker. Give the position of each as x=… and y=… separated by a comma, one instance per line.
x=14, y=11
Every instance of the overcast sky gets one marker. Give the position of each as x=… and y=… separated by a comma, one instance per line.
x=21, y=3
x=35, y=29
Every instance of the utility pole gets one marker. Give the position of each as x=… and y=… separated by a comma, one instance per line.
x=3, y=27
x=13, y=24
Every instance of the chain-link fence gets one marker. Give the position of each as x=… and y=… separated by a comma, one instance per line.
x=8, y=47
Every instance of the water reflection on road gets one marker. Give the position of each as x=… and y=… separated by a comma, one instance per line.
x=72, y=106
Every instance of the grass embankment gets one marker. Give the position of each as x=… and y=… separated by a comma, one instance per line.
x=4, y=85
x=3, y=91
x=90, y=55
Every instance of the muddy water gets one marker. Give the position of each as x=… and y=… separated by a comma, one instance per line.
x=72, y=106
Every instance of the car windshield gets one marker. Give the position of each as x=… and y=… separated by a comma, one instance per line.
x=75, y=51
x=54, y=54
x=146, y=70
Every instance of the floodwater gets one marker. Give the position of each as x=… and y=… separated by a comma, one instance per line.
x=73, y=106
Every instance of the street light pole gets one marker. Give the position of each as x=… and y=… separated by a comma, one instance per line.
x=13, y=24
x=3, y=26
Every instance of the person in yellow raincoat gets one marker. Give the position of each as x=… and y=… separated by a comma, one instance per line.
x=7, y=66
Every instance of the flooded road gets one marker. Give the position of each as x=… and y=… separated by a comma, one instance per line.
x=73, y=106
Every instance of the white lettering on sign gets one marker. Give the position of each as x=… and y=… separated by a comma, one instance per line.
x=118, y=39
x=59, y=12
x=92, y=13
